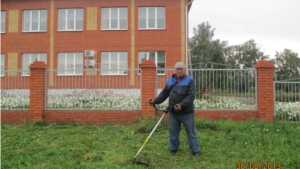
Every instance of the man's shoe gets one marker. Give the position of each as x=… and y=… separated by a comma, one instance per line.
x=196, y=154
x=172, y=152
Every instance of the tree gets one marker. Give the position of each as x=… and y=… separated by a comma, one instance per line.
x=287, y=65
x=204, y=49
x=245, y=55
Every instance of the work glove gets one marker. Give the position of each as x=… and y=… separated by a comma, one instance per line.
x=151, y=102
x=177, y=107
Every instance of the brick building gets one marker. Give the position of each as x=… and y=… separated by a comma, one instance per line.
x=117, y=34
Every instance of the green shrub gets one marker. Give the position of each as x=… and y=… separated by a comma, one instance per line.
x=287, y=97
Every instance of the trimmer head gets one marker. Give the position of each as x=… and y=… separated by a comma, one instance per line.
x=133, y=161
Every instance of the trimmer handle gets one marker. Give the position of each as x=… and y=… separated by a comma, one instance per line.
x=156, y=110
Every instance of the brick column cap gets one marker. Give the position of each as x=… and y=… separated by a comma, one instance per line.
x=38, y=64
x=148, y=64
x=264, y=64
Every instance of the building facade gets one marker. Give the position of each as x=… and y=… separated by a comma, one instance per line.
x=71, y=35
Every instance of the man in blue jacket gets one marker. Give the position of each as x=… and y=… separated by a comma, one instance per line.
x=180, y=89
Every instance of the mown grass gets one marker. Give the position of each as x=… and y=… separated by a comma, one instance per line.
x=223, y=143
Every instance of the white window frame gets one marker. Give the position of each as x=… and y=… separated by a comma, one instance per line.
x=109, y=19
x=2, y=64
x=148, y=54
x=61, y=72
x=109, y=65
x=27, y=73
x=3, y=13
x=30, y=21
x=147, y=18
x=66, y=21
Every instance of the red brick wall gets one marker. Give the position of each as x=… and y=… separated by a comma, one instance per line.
x=14, y=82
x=168, y=40
x=148, y=86
x=98, y=40
x=73, y=116
x=265, y=92
x=14, y=116
x=227, y=114
x=91, y=117
x=21, y=42
x=95, y=81
x=37, y=90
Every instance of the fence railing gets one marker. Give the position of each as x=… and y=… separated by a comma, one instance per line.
x=215, y=89
x=226, y=89
x=14, y=90
x=287, y=101
x=93, y=89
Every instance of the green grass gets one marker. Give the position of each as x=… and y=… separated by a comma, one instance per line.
x=223, y=143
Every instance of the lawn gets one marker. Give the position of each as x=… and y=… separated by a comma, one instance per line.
x=224, y=144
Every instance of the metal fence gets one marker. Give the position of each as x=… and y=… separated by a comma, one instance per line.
x=93, y=89
x=14, y=90
x=216, y=89
x=97, y=89
x=287, y=101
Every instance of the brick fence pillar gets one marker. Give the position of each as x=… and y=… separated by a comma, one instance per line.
x=265, y=90
x=37, y=90
x=148, y=74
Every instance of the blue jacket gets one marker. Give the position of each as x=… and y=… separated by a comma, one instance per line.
x=182, y=93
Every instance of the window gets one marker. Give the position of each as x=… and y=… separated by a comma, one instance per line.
x=114, y=18
x=2, y=22
x=70, y=63
x=152, y=18
x=28, y=58
x=158, y=58
x=34, y=20
x=114, y=63
x=70, y=19
x=2, y=65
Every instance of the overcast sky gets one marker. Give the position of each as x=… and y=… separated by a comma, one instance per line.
x=273, y=24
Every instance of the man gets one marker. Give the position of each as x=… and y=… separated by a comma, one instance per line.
x=180, y=89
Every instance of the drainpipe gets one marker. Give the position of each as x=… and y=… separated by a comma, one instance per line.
x=187, y=57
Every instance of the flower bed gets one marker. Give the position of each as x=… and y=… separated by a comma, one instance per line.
x=95, y=102
x=288, y=111
x=216, y=104
x=18, y=102
x=284, y=111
